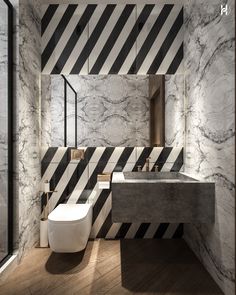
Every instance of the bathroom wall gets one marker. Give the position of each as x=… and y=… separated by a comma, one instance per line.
x=112, y=39
x=210, y=137
x=76, y=182
x=26, y=124
x=29, y=123
x=113, y=110
x=174, y=110
x=46, y=111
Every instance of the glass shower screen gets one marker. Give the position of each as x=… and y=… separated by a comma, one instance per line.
x=5, y=127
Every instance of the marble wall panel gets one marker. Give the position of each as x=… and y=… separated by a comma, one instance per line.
x=174, y=110
x=28, y=95
x=71, y=120
x=57, y=111
x=46, y=126
x=210, y=138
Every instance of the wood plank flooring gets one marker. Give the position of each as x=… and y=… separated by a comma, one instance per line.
x=112, y=267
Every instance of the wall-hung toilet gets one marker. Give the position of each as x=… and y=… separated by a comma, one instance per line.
x=69, y=227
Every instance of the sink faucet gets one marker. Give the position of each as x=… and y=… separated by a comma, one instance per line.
x=156, y=168
x=147, y=163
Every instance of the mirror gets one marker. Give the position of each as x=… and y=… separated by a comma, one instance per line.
x=113, y=110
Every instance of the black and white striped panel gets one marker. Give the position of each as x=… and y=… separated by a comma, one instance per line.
x=112, y=39
x=76, y=182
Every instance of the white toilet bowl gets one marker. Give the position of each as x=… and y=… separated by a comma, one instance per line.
x=69, y=227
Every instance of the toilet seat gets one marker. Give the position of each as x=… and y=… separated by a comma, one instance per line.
x=69, y=213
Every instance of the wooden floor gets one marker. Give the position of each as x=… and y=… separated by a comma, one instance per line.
x=112, y=267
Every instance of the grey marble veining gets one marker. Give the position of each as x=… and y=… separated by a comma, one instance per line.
x=174, y=110
x=57, y=111
x=112, y=110
x=28, y=95
x=46, y=127
x=209, y=77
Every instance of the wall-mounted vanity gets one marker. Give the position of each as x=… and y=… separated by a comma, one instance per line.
x=167, y=197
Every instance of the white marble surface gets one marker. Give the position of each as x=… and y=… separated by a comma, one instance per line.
x=46, y=120
x=209, y=151
x=57, y=111
x=28, y=94
x=112, y=110
x=174, y=110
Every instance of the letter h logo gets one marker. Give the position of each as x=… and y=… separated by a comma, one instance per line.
x=224, y=9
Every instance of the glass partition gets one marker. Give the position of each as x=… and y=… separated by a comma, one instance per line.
x=5, y=129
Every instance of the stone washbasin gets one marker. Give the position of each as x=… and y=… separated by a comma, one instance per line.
x=161, y=197
x=156, y=176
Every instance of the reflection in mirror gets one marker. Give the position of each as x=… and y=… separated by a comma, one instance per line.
x=70, y=114
x=113, y=110
x=157, y=110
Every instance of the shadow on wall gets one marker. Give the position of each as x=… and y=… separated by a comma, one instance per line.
x=163, y=266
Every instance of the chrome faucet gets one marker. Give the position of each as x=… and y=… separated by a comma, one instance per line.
x=156, y=168
x=139, y=168
x=148, y=164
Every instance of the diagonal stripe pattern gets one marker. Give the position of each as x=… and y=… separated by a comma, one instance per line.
x=76, y=182
x=112, y=39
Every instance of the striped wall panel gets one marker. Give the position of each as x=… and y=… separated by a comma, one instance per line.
x=112, y=39
x=76, y=182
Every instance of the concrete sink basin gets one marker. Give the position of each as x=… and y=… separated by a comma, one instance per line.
x=161, y=197
x=156, y=176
